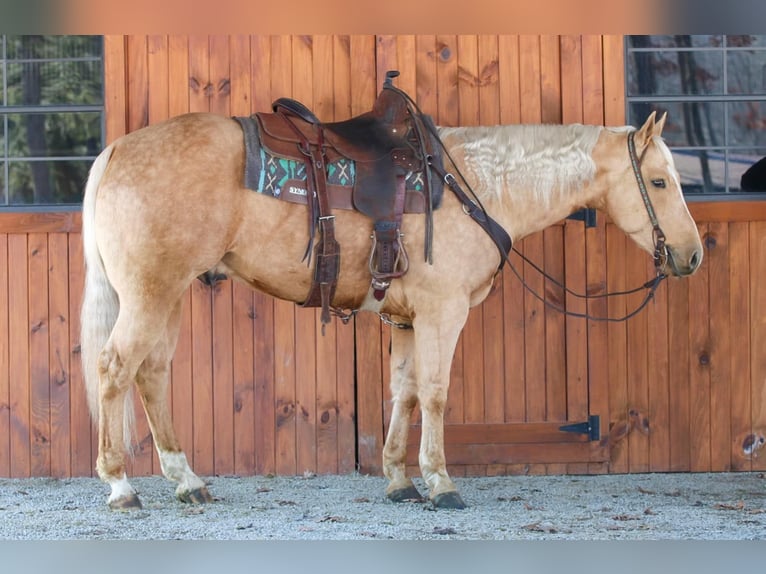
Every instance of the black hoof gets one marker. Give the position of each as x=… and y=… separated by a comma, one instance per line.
x=409, y=494
x=196, y=496
x=448, y=500
x=129, y=502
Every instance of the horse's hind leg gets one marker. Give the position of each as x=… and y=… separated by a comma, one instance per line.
x=141, y=326
x=136, y=332
x=152, y=381
x=404, y=394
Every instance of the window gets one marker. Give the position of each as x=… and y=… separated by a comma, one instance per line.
x=714, y=90
x=51, y=117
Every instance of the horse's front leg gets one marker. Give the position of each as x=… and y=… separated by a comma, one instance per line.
x=404, y=395
x=436, y=336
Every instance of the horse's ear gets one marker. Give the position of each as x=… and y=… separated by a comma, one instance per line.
x=659, y=125
x=645, y=132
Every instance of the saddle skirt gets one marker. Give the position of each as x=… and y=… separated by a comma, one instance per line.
x=276, y=171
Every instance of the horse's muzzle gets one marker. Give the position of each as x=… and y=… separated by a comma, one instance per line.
x=683, y=264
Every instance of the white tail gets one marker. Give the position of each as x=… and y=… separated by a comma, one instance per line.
x=100, y=304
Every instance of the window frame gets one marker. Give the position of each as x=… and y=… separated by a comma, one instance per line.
x=724, y=98
x=8, y=110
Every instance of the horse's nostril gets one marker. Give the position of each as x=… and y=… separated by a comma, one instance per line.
x=695, y=260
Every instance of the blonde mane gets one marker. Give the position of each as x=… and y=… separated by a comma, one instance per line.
x=543, y=160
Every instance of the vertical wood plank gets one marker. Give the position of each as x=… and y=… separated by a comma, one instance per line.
x=758, y=332
x=157, y=77
x=739, y=342
x=305, y=319
x=138, y=84
x=115, y=80
x=575, y=255
x=59, y=372
x=658, y=360
x=223, y=378
x=550, y=79
x=178, y=75
x=138, y=117
x=719, y=350
x=243, y=311
x=201, y=295
x=5, y=376
x=182, y=378
x=203, y=412
x=595, y=250
x=19, y=355
x=220, y=75
x=157, y=111
x=678, y=374
x=472, y=337
x=638, y=383
x=39, y=353
x=344, y=72
x=263, y=305
x=284, y=312
x=699, y=365
x=492, y=308
x=425, y=64
x=83, y=447
x=513, y=292
x=369, y=366
x=555, y=336
x=614, y=80
x=326, y=405
x=534, y=312
x=618, y=346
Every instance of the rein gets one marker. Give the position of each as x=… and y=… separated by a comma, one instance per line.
x=478, y=213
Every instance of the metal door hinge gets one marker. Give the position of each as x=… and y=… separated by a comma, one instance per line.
x=591, y=427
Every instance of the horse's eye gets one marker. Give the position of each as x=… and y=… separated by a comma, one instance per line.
x=659, y=183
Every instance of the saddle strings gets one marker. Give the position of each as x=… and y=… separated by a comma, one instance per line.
x=650, y=285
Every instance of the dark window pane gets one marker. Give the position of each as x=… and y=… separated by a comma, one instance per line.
x=701, y=171
x=688, y=124
x=677, y=41
x=57, y=134
x=3, y=198
x=747, y=123
x=2, y=136
x=746, y=72
x=49, y=83
x=675, y=73
x=47, y=182
x=747, y=170
x=746, y=41
x=47, y=47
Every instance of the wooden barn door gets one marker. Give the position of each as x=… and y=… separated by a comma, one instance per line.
x=521, y=371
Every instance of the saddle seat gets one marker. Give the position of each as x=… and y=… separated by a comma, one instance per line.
x=379, y=142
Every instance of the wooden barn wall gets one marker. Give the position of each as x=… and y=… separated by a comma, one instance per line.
x=255, y=387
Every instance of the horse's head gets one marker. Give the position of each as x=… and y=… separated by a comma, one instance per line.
x=660, y=210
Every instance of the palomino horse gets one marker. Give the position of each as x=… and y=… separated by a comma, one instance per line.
x=167, y=203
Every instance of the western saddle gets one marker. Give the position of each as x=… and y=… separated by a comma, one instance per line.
x=385, y=144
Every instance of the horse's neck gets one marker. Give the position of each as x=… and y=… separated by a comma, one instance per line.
x=528, y=177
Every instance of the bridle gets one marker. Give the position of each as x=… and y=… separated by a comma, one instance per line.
x=661, y=254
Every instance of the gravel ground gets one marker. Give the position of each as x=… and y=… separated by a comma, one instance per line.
x=616, y=507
